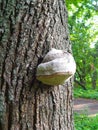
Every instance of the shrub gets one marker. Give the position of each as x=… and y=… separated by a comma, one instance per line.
x=83, y=122
x=92, y=94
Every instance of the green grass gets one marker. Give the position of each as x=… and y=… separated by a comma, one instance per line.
x=83, y=122
x=80, y=93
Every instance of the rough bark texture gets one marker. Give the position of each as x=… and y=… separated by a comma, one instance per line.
x=28, y=29
x=94, y=79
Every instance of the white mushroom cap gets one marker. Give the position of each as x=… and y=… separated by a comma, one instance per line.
x=57, y=67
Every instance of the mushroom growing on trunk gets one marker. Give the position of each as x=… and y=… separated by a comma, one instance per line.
x=56, y=68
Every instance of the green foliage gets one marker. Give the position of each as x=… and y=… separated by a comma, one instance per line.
x=83, y=34
x=83, y=122
x=80, y=93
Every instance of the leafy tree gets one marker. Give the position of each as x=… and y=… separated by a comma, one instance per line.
x=81, y=34
x=94, y=74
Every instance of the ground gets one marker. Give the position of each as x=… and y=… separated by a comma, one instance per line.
x=88, y=106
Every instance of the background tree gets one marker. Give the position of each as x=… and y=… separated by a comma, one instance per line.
x=83, y=32
x=94, y=66
x=28, y=29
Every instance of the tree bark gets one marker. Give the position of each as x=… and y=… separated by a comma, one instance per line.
x=94, y=78
x=28, y=30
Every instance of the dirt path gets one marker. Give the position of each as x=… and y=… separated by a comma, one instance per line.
x=88, y=106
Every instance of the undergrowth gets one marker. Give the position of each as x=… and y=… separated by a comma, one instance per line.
x=80, y=93
x=83, y=122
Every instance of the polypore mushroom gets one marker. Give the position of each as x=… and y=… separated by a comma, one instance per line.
x=56, y=67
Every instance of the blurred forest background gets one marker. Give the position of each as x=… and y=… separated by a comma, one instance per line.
x=83, y=25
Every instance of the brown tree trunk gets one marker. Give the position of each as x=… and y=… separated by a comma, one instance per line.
x=94, y=79
x=28, y=29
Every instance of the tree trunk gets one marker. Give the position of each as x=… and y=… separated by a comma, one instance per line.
x=94, y=79
x=28, y=30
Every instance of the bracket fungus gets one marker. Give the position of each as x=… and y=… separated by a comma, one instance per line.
x=56, y=67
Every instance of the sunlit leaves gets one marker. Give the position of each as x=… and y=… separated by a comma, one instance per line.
x=83, y=36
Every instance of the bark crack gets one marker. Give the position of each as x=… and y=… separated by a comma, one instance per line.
x=54, y=109
x=35, y=112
